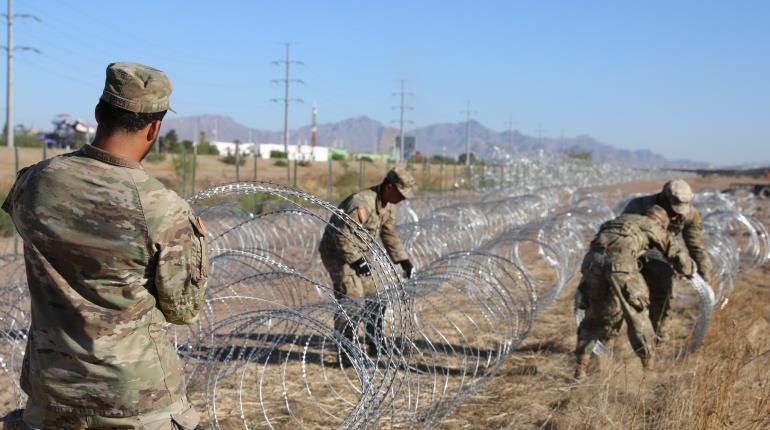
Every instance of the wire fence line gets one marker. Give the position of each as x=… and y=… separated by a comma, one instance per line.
x=264, y=353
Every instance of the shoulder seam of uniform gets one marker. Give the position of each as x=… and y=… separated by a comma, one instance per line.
x=144, y=216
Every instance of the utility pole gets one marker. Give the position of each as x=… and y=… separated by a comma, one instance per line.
x=9, y=76
x=399, y=149
x=468, y=112
x=9, y=80
x=510, y=124
x=287, y=81
x=540, y=135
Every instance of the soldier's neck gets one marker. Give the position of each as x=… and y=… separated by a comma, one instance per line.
x=121, y=143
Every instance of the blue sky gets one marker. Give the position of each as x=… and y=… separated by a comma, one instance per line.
x=684, y=79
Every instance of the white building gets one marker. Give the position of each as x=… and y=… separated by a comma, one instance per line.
x=296, y=152
x=229, y=147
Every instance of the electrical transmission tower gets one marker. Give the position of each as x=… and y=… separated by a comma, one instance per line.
x=468, y=112
x=511, y=123
x=540, y=131
x=9, y=49
x=399, y=149
x=286, y=99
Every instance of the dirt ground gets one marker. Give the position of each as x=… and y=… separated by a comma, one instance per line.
x=725, y=384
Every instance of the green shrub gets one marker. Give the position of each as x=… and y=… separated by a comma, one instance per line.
x=339, y=157
x=230, y=159
x=282, y=163
x=303, y=163
x=6, y=226
x=439, y=159
x=155, y=157
x=27, y=141
x=255, y=203
x=205, y=148
x=277, y=154
x=579, y=155
x=347, y=183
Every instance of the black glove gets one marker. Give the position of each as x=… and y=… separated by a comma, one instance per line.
x=361, y=267
x=408, y=268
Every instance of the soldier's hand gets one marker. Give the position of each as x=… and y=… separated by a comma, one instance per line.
x=689, y=269
x=408, y=268
x=361, y=267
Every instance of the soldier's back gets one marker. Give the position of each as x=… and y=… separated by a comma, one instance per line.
x=97, y=342
x=640, y=205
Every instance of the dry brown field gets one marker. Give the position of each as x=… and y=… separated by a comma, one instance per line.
x=312, y=178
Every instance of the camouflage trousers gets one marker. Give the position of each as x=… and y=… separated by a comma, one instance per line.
x=659, y=277
x=177, y=416
x=358, y=300
x=613, y=298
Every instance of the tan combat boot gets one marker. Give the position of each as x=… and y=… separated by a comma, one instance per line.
x=648, y=363
x=581, y=370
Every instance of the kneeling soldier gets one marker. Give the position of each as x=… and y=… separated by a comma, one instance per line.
x=614, y=288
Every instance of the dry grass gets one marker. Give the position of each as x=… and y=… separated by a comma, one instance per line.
x=725, y=384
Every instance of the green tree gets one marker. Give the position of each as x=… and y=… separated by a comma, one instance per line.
x=439, y=159
x=461, y=158
x=204, y=146
x=169, y=142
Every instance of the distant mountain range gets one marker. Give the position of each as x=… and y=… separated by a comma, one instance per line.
x=363, y=134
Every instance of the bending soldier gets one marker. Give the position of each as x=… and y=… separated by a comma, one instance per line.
x=373, y=208
x=675, y=198
x=111, y=257
x=613, y=287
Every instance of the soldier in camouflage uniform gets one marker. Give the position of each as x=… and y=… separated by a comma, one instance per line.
x=614, y=290
x=676, y=198
x=112, y=256
x=373, y=208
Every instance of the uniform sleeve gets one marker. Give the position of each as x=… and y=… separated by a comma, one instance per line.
x=671, y=248
x=181, y=257
x=391, y=241
x=677, y=255
x=345, y=239
x=693, y=239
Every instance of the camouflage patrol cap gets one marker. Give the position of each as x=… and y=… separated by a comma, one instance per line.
x=136, y=88
x=679, y=195
x=403, y=180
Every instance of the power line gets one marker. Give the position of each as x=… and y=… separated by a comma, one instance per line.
x=136, y=44
x=401, y=107
x=286, y=99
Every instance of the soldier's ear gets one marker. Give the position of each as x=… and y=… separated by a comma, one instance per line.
x=153, y=130
x=98, y=113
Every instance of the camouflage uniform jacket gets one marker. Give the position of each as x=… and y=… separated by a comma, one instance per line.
x=621, y=241
x=689, y=226
x=377, y=217
x=111, y=257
